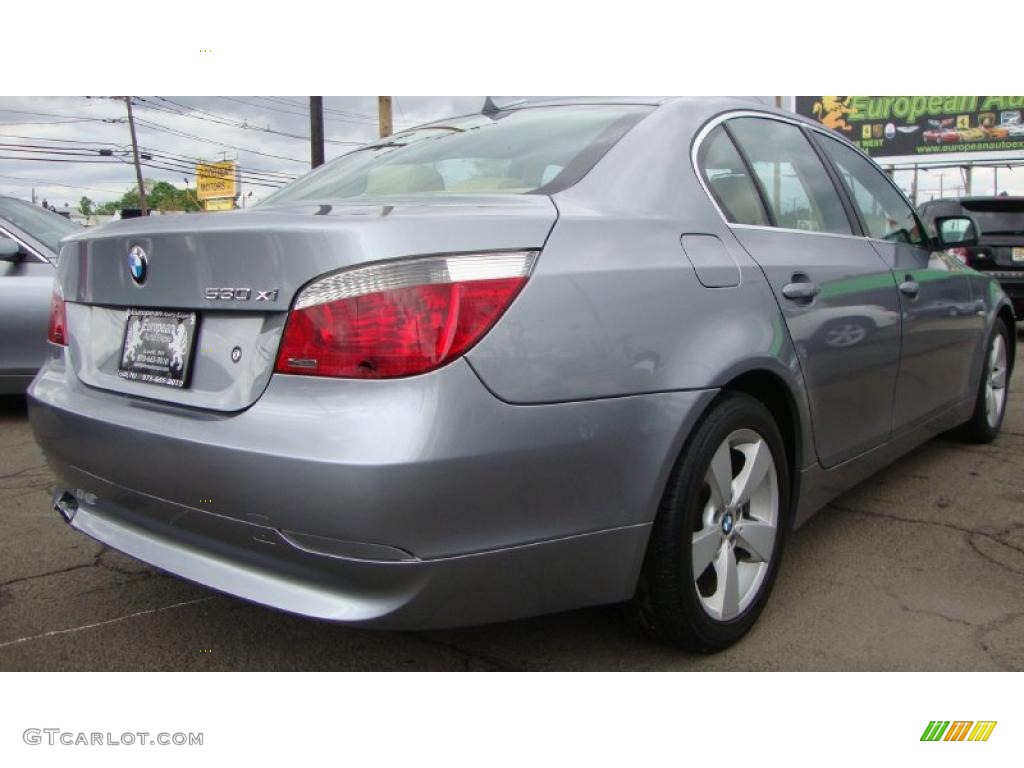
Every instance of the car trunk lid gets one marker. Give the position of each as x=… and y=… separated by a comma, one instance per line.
x=239, y=273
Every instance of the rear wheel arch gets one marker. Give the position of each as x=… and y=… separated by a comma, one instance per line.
x=669, y=599
x=1005, y=313
x=770, y=389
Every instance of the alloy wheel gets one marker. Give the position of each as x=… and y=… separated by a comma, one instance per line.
x=995, y=384
x=733, y=545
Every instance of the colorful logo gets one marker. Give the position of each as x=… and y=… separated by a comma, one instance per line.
x=958, y=730
x=831, y=112
x=137, y=263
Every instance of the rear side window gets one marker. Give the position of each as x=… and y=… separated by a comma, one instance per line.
x=795, y=184
x=886, y=215
x=727, y=177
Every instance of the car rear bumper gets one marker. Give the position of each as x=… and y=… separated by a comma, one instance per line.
x=412, y=503
x=261, y=565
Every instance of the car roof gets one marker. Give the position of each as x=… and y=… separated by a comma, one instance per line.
x=711, y=105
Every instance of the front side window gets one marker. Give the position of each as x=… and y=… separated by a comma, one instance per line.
x=515, y=151
x=795, y=184
x=886, y=215
x=728, y=180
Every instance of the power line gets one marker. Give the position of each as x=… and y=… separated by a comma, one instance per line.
x=44, y=183
x=52, y=122
x=159, y=164
x=351, y=117
x=253, y=172
x=170, y=164
x=186, y=163
x=57, y=160
x=213, y=117
x=150, y=150
x=74, y=151
x=299, y=105
x=174, y=132
x=179, y=169
x=79, y=118
x=63, y=141
x=298, y=113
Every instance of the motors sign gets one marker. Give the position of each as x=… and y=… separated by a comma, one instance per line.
x=216, y=181
x=886, y=126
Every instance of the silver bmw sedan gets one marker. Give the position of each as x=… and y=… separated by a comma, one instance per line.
x=517, y=362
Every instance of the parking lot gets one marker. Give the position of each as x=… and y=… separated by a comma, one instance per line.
x=919, y=568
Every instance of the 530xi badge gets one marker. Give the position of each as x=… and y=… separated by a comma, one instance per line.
x=239, y=294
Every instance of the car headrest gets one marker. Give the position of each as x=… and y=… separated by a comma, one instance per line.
x=736, y=195
x=403, y=179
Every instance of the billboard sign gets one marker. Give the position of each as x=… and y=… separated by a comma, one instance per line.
x=927, y=126
x=219, y=204
x=216, y=180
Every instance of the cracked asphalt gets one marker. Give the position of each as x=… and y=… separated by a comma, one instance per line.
x=919, y=568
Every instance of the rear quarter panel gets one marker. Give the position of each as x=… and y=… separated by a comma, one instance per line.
x=614, y=307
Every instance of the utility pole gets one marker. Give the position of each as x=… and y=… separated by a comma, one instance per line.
x=316, y=131
x=135, y=154
x=384, y=115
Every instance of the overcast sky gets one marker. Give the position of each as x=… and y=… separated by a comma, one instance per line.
x=180, y=130
x=183, y=129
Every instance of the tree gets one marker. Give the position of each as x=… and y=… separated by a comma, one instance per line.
x=85, y=206
x=167, y=197
x=160, y=196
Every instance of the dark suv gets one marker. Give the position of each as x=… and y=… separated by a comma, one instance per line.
x=1000, y=248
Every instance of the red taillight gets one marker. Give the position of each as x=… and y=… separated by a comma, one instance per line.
x=58, y=321
x=399, y=318
x=962, y=254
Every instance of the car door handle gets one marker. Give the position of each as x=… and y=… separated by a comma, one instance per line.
x=910, y=288
x=802, y=291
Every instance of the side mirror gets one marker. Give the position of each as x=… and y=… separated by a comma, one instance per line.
x=956, y=231
x=10, y=249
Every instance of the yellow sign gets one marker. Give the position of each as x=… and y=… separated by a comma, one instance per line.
x=216, y=180
x=219, y=204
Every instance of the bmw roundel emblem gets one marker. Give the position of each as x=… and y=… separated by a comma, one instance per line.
x=137, y=263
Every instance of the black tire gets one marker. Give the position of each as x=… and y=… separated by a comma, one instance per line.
x=667, y=604
x=978, y=429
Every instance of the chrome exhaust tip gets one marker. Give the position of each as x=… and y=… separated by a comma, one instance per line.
x=66, y=504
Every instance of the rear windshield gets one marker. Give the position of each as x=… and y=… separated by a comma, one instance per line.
x=42, y=225
x=517, y=151
x=997, y=217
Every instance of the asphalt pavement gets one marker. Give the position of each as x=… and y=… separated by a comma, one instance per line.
x=921, y=567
